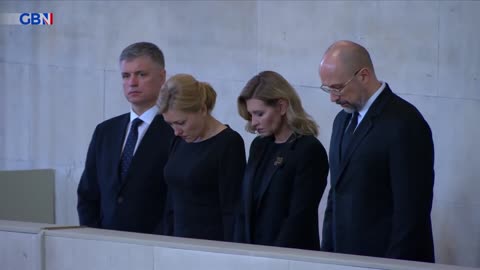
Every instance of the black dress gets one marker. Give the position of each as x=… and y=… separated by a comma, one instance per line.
x=204, y=181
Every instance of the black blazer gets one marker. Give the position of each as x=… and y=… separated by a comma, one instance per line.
x=137, y=203
x=286, y=214
x=381, y=193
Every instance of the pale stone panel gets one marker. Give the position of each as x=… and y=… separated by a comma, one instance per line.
x=459, y=54
x=62, y=253
x=18, y=251
x=212, y=40
x=167, y=258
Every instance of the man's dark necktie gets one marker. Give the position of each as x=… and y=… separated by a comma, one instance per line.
x=129, y=148
x=347, y=136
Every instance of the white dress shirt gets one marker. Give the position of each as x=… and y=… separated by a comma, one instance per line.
x=147, y=118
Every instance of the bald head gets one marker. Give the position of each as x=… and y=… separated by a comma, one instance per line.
x=346, y=71
x=347, y=56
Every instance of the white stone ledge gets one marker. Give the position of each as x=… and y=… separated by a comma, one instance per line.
x=194, y=249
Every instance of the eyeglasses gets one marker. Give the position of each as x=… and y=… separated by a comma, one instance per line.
x=338, y=91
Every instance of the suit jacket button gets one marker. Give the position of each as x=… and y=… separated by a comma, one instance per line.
x=120, y=200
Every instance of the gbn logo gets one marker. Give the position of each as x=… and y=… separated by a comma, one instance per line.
x=36, y=18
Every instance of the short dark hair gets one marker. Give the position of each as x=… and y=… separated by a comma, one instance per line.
x=143, y=49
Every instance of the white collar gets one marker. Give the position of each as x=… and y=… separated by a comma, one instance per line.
x=147, y=116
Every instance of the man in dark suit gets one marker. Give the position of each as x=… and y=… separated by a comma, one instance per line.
x=122, y=186
x=381, y=164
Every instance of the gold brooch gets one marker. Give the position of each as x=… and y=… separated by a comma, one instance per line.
x=278, y=161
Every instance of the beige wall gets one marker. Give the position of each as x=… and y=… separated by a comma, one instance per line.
x=57, y=82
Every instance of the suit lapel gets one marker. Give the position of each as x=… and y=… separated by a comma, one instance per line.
x=364, y=128
x=278, y=162
x=147, y=141
x=247, y=203
x=249, y=177
x=338, y=135
x=116, y=145
x=335, y=145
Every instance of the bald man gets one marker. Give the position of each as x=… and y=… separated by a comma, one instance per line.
x=381, y=164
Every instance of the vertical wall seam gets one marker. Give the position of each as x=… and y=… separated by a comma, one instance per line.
x=257, y=49
x=40, y=251
x=439, y=15
x=104, y=94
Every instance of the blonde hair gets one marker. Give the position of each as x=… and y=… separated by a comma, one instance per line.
x=269, y=87
x=184, y=93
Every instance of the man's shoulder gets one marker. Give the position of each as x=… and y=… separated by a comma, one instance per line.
x=158, y=120
x=397, y=103
x=160, y=127
x=403, y=110
x=401, y=114
x=113, y=122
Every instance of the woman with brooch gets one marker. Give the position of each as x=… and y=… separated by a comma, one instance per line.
x=287, y=168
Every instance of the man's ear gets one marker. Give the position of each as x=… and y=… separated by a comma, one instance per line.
x=163, y=75
x=365, y=74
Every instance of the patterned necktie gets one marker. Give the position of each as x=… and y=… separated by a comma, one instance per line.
x=347, y=136
x=128, y=151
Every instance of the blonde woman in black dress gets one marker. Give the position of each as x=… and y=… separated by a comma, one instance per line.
x=206, y=162
x=287, y=168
